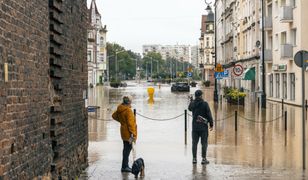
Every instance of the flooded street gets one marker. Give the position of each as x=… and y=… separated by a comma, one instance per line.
x=256, y=151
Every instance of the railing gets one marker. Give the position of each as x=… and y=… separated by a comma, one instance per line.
x=268, y=23
x=286, y=51
x=286, y=14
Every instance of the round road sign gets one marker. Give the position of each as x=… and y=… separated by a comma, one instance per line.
x=301, y=58
x=238, y=70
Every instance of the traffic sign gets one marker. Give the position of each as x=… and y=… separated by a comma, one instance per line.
x=219, y=68
x=189, y=74
x=300, y=58
x=221, y=75
x=238, y=70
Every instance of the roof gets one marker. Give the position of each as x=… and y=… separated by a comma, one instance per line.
x=93, y=3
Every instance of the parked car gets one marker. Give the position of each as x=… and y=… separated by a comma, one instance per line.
x=180, y=87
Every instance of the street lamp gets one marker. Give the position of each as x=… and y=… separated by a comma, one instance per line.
x=263, y=95
x=209, y=9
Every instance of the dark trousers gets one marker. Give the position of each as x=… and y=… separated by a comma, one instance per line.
x=126, y=151
x=196, y=135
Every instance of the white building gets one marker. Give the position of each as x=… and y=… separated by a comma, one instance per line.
x=238, y=42
x=179, y=52
x=286, y=33
x=195, y=55
x=206, y=40
x=97, y=53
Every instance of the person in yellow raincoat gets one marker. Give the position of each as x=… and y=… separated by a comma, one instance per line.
x=125, y=116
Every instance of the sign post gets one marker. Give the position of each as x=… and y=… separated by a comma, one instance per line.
x=301, y=60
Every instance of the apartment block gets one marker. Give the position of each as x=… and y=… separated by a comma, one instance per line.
x=179, y=52
x=286, y=33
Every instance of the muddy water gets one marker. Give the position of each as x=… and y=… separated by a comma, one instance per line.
x=256, y=150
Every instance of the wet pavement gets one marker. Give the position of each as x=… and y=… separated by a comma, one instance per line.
x=256, y=151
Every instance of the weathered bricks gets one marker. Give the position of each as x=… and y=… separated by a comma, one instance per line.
x=43, y=122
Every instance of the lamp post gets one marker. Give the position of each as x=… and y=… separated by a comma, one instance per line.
x=116, y=63
x=263, y=96
x=209, y=9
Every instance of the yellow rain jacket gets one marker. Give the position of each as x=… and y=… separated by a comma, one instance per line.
x=126, y=117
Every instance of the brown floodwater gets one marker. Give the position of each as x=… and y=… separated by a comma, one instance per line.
x=259, y=149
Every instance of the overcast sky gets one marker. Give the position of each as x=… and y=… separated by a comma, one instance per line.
x=132, y=23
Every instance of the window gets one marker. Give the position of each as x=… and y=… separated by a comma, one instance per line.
x=283, y=38
x=293, y=37
x=102, y=42
x=271, y=87
x=284, y=86
x=277, y=85
x=89, y=56
x=292, y=86
x=207, y=42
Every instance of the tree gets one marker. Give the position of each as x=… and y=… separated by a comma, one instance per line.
x=126, y=60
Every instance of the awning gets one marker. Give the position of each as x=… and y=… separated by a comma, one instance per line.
x=250, y=74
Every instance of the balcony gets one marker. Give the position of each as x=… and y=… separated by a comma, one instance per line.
x=286, y=14
x=268, y=55
x=268, y=23
x=286, y=51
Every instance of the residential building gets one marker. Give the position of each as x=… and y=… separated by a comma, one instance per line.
x=238, y=42
x=97, y=53
x=206, y=51
x=195, y=55
x=286, y=33
x=179, y=52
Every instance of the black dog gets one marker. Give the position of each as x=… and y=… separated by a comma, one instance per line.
x=138, y=167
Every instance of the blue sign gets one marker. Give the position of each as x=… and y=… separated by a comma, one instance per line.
x=221, y=75
x=189, y=74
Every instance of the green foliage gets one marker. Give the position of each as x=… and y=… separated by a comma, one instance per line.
x=234, y=94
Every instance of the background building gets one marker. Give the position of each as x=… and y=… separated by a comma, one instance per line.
x=97, y=52
x=195, y=55
x=179, y=52
x=206, y=51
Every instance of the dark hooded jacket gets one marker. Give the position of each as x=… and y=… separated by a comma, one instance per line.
x=200, y=107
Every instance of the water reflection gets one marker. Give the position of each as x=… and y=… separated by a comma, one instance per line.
x=255, y=144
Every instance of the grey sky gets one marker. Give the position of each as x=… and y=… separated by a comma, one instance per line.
x=132, y=23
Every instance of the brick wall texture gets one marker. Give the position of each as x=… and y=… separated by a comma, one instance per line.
x=43, y=121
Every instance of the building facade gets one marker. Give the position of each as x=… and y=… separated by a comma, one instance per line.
x=286, y=33
x=43, y=83
x=195, y=55
x=239, y=42
x=206, y=50
x=97, y=51
x=179, y=52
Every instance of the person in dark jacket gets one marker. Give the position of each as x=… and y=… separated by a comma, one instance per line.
x=202, y=116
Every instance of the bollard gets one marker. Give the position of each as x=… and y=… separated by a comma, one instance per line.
x=285, y=120
x=135, y=112
x=235, y=121
x=185, y=126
